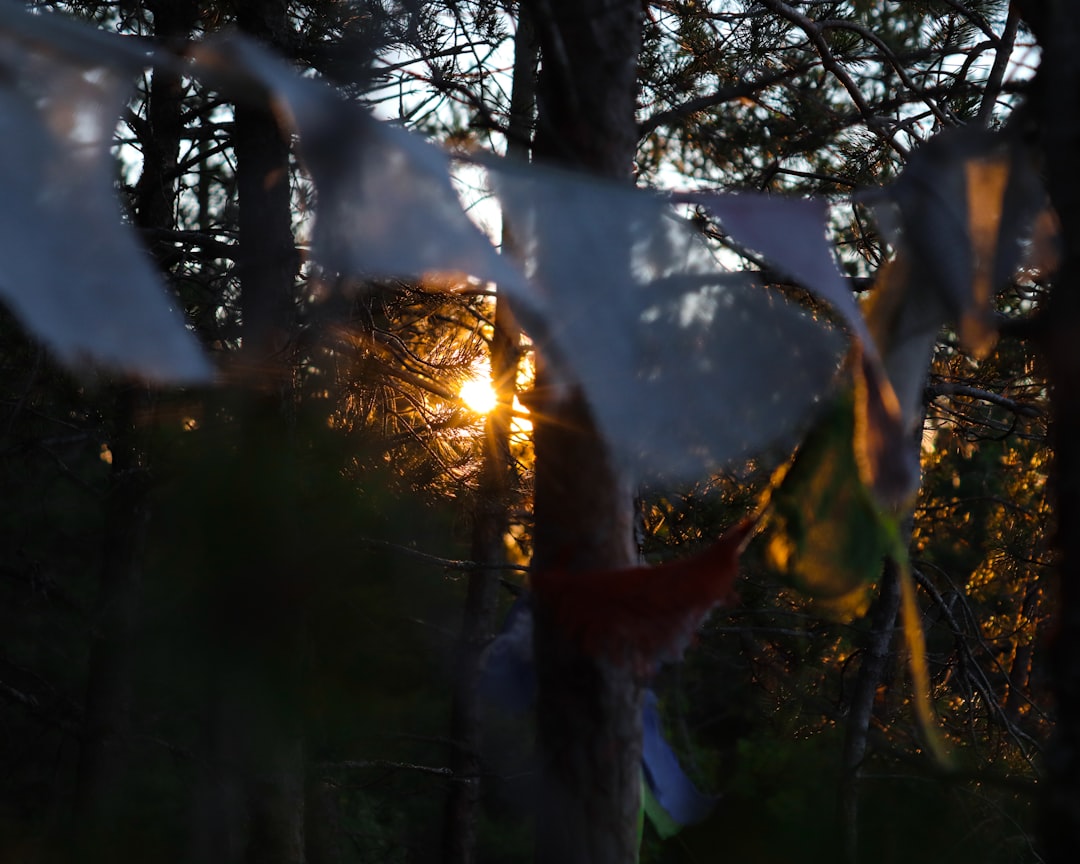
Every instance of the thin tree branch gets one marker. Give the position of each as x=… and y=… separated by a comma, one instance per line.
x=446, y=563
x=946, y=388
x=1001, y=61
x=829, y=62
x=725, y=94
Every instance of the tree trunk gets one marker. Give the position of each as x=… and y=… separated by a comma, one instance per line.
x=251, y=804
x=103, y=769
x=588, y=711
x=268, y=260
x=493, y=501
x=1020, y=668
x=1057, y=112
x=102, y=781
x=876, y=655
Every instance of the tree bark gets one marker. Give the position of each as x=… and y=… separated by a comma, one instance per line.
x=876, y=654
x=1020, y=668
x=588, y=711
x=268, y=260
x=252, y=797
x=104, y=758
x=1056, y=106
x=102, y=777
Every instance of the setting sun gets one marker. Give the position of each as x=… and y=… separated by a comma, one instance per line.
x=478, y=395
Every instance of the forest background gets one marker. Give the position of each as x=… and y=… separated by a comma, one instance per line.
x=245, y=621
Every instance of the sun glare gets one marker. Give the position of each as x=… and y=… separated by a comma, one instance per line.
x=478, y=395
